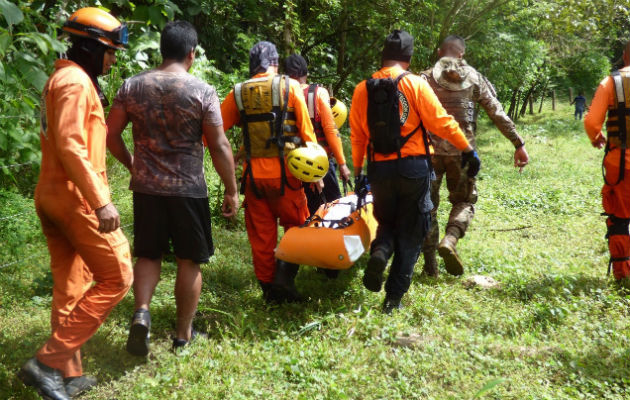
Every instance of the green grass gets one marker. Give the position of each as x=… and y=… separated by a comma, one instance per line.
x=556, y=329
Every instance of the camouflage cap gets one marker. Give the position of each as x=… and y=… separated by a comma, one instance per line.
x=453, y=73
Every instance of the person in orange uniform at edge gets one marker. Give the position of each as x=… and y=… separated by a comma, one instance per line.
x=387, y=119
x=171, y=111
x=73, y=202
x=272, y=194
x=327, y=136
x=612, y=98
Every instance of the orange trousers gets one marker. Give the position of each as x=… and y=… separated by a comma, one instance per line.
x=262, y=216
x=91, y=273
x=616, y=202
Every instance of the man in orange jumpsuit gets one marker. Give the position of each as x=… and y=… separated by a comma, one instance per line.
x=272, y=195
x=73, y=202
x=611, y=99
x=318, y=103
x=388, y=117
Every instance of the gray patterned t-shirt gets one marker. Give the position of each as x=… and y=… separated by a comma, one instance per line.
x=167, y=111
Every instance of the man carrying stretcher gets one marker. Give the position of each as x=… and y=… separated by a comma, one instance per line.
x=388, y=117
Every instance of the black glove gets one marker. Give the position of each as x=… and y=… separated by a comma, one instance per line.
x=361, y=185
x=471, y=159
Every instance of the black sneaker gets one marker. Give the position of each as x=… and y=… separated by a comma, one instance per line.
x=373, y=274
x=391, y=304
x=138, y=341
x=46, y=380
x=78, y=385
x=179, y=343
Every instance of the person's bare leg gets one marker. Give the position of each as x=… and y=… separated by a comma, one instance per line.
x=187, y=292
x=146, y=275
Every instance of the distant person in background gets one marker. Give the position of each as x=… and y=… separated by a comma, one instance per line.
x=580, y=105
x=170, y=111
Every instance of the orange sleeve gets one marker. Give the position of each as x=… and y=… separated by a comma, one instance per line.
x=229, y=112
x=435, y=118
x=70, y=105
x=596, y=116
x=359, y=134
x=328, y=124
x=302, y=120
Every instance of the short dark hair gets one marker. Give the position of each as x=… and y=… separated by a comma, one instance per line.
x=177, y=40
x=455, y=38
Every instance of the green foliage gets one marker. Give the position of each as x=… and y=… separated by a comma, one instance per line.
x=556, y=329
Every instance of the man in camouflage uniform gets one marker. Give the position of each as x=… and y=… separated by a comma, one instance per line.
x=460, y=88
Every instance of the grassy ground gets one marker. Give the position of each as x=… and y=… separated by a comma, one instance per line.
x=557, y=328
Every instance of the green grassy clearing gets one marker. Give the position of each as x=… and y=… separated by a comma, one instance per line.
x=557, y=328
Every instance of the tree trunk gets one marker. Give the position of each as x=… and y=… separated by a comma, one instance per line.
x=531, y=105
x=542, y=96
x=553, y=100
x=518, y=103
x=287, y=33
x=570, y=94
x=512, y=104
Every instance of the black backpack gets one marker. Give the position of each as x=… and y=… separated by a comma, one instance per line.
x=384, y=115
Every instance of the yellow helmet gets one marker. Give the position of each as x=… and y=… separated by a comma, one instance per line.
x=99, y=25
x=339, y=112
x=308, y=164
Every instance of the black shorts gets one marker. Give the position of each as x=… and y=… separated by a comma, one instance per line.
x=158, y=220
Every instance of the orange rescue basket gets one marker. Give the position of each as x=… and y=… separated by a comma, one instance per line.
x=334, y=237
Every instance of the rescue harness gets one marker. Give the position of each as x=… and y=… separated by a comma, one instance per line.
x=268, y=123
x=618, y=123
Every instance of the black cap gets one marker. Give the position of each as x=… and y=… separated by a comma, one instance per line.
x=398, y=46
x=295, y=66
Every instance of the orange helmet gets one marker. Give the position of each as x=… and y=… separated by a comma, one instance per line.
x=97, y=24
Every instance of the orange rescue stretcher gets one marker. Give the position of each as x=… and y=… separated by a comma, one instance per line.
x=334, y=237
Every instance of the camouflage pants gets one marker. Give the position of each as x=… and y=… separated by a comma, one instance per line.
x=462, y=194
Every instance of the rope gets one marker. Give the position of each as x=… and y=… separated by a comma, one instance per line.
x=13, y=217
x=41, y=253
x=17, y=165
x=21, y=260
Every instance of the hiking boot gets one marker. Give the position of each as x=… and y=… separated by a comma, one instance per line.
x=46, y=380
x=448, y=252
x=138, y=340
x=79, y=384
x=180, y=343
x=266, y=288
x=373, y=274
x=283, y=288
x=390, y=304
x=430, y=264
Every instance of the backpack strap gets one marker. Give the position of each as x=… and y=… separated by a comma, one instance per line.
x=425, y=135
x=247, y=174
x=621, y=112
x=310, y=101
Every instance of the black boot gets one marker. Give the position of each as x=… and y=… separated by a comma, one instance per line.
x=79, y=384
x=390, y=304
x=373, y=274
x=267, y=291
x=283, y=286
x=138, y=340
x=47, y=381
